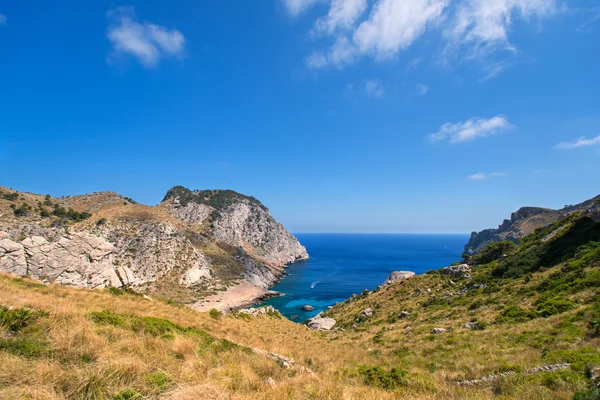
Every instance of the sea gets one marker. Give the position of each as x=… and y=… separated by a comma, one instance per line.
x=341, y=265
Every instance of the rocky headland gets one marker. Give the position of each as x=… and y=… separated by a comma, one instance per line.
x=205, y=248
x=525, y=221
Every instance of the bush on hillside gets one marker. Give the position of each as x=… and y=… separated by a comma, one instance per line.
x=493, y=251
x=378, y=377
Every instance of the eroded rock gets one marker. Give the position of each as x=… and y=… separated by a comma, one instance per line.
x=321, y=323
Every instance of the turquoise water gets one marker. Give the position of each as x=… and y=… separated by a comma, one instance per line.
x=345, y=264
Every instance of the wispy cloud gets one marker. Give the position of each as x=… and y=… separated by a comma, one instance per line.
x=147, y=42
x=374, y=88
x=592, y=16
x=580, y=142
x=297, y=7
x=482, y=25
x=470, y=30
x=341, y=16
x=482, y=175
x=422, y=89
x=471, y=129
x=3, y=20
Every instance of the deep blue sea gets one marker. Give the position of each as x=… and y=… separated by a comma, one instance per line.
x=344, y=264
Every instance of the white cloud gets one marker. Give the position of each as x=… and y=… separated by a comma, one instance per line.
x=342, y=15
x=470, y=30
x=316, y=60
x=482, y=175
x=422, y=89
x=498, y=174
x=394, y=25
x=483, y=25
x=476, y=177
x=3, y=20
x=471, y=129
x=580, y=142
x=145, y=41
x=374, y=88
x=342, y=52
x=297, y=7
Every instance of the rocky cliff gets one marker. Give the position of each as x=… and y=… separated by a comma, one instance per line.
x=193, y=244
x=525, y=221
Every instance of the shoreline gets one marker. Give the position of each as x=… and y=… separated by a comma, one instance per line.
x=242, y=295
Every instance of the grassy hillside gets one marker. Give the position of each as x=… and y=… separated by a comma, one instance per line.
x=526, y=306
x=522, y=307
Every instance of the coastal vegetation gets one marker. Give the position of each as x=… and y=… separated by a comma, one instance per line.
x=514, y=321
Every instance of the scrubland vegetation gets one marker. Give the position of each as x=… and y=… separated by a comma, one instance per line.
x=521, y=307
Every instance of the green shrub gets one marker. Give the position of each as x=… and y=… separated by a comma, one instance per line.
x=475, y=305
x=160, y=380
x=25, y=346
x=590, y=394
x=214, y=313
x=18, y=318
x=153, y=326
x=9, y=196
x=515, y=314
x=553, y=307
x=402, y=352
x=493, y=251
x=578, y=358
x=378, y=377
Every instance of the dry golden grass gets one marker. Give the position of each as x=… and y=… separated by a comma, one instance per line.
x=95, y=361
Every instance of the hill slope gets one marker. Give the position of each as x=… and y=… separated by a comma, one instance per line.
x=525, y=221
x=517, y=309
x=522, y=322
x=192, y=245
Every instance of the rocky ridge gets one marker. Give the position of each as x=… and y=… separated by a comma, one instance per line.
x=190, y=245
x=525, y=221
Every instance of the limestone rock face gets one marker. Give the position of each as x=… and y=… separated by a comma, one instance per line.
x=246, y=223
x=321, y=323
x=397, y=276
x=78, y=259
x=12, y=257
x=192, y=213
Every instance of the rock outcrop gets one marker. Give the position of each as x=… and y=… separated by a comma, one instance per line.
x=457, y=271
x=397, y=276
x=191, y=244
x=525, y=221
x=321, y=323
x=77, y=259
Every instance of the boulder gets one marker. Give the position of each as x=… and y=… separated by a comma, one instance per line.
x=470, y=325
x=457, y=271
x=270, y=381
x=320, y=323
x=437, y=331
x=397, y=276
x=367, y=313
x=307, y=307
x=404, y=315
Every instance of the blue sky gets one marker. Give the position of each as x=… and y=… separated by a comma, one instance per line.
x=340, y=116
